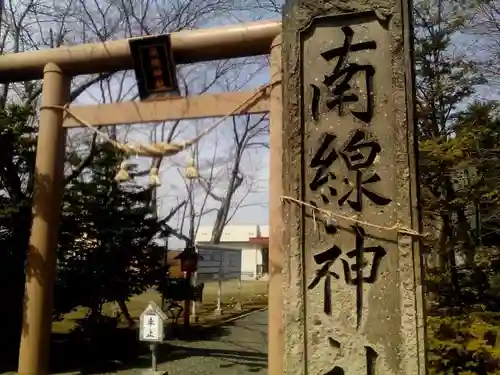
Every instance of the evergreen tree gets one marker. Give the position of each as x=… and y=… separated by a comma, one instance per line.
x=457, y=181
x=107, y=252
x=116, y=260
x=17, y=155
x=464, y=333
x=446, y=79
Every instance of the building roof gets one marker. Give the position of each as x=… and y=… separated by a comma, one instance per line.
x=264, y=241
x=234, y=233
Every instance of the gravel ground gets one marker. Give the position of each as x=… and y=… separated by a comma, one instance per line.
x=235, y=348
x=239, y=348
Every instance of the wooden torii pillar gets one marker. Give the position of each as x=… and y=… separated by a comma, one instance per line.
x=57, y=67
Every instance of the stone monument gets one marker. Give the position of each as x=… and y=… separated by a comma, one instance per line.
x=352, y=275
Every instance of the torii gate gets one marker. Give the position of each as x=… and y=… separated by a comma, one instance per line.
x=57, y=67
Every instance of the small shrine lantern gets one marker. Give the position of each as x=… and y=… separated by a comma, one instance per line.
x=189, y=260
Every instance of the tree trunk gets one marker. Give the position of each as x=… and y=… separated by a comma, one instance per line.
x=444, y=264
x=126, y=314
x=465, y=235
x=223, y=212
x=220, y=222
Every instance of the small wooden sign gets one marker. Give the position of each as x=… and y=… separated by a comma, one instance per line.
x=154, y=66
x=152, y=321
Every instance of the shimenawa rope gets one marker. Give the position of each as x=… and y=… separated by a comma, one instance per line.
x=396, y=227
x=161, y=149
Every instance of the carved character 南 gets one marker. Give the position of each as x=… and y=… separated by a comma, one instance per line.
x=338, y=83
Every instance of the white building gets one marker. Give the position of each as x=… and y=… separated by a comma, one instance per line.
x=253, y=240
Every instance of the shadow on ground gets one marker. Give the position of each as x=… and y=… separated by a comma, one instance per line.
x=253, y=361
x=118, y=351
x=122, y=351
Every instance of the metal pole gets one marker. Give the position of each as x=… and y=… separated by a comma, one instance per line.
x=165, y=263
x=187, y=303
x=154, y=349
x=190, y=248
x=275, y=311
x=219, y=296
x=218, y=310
x=238, y=304
x=194, y=303
x=48, y=189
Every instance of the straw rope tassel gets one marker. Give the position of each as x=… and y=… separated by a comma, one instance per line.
x=123, y=174
x=191, y=172
x=154, y=179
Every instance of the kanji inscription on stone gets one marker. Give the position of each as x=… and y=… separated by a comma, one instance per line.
x=352, y=299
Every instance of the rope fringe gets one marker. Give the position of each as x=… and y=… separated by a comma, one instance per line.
x=396, y=227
